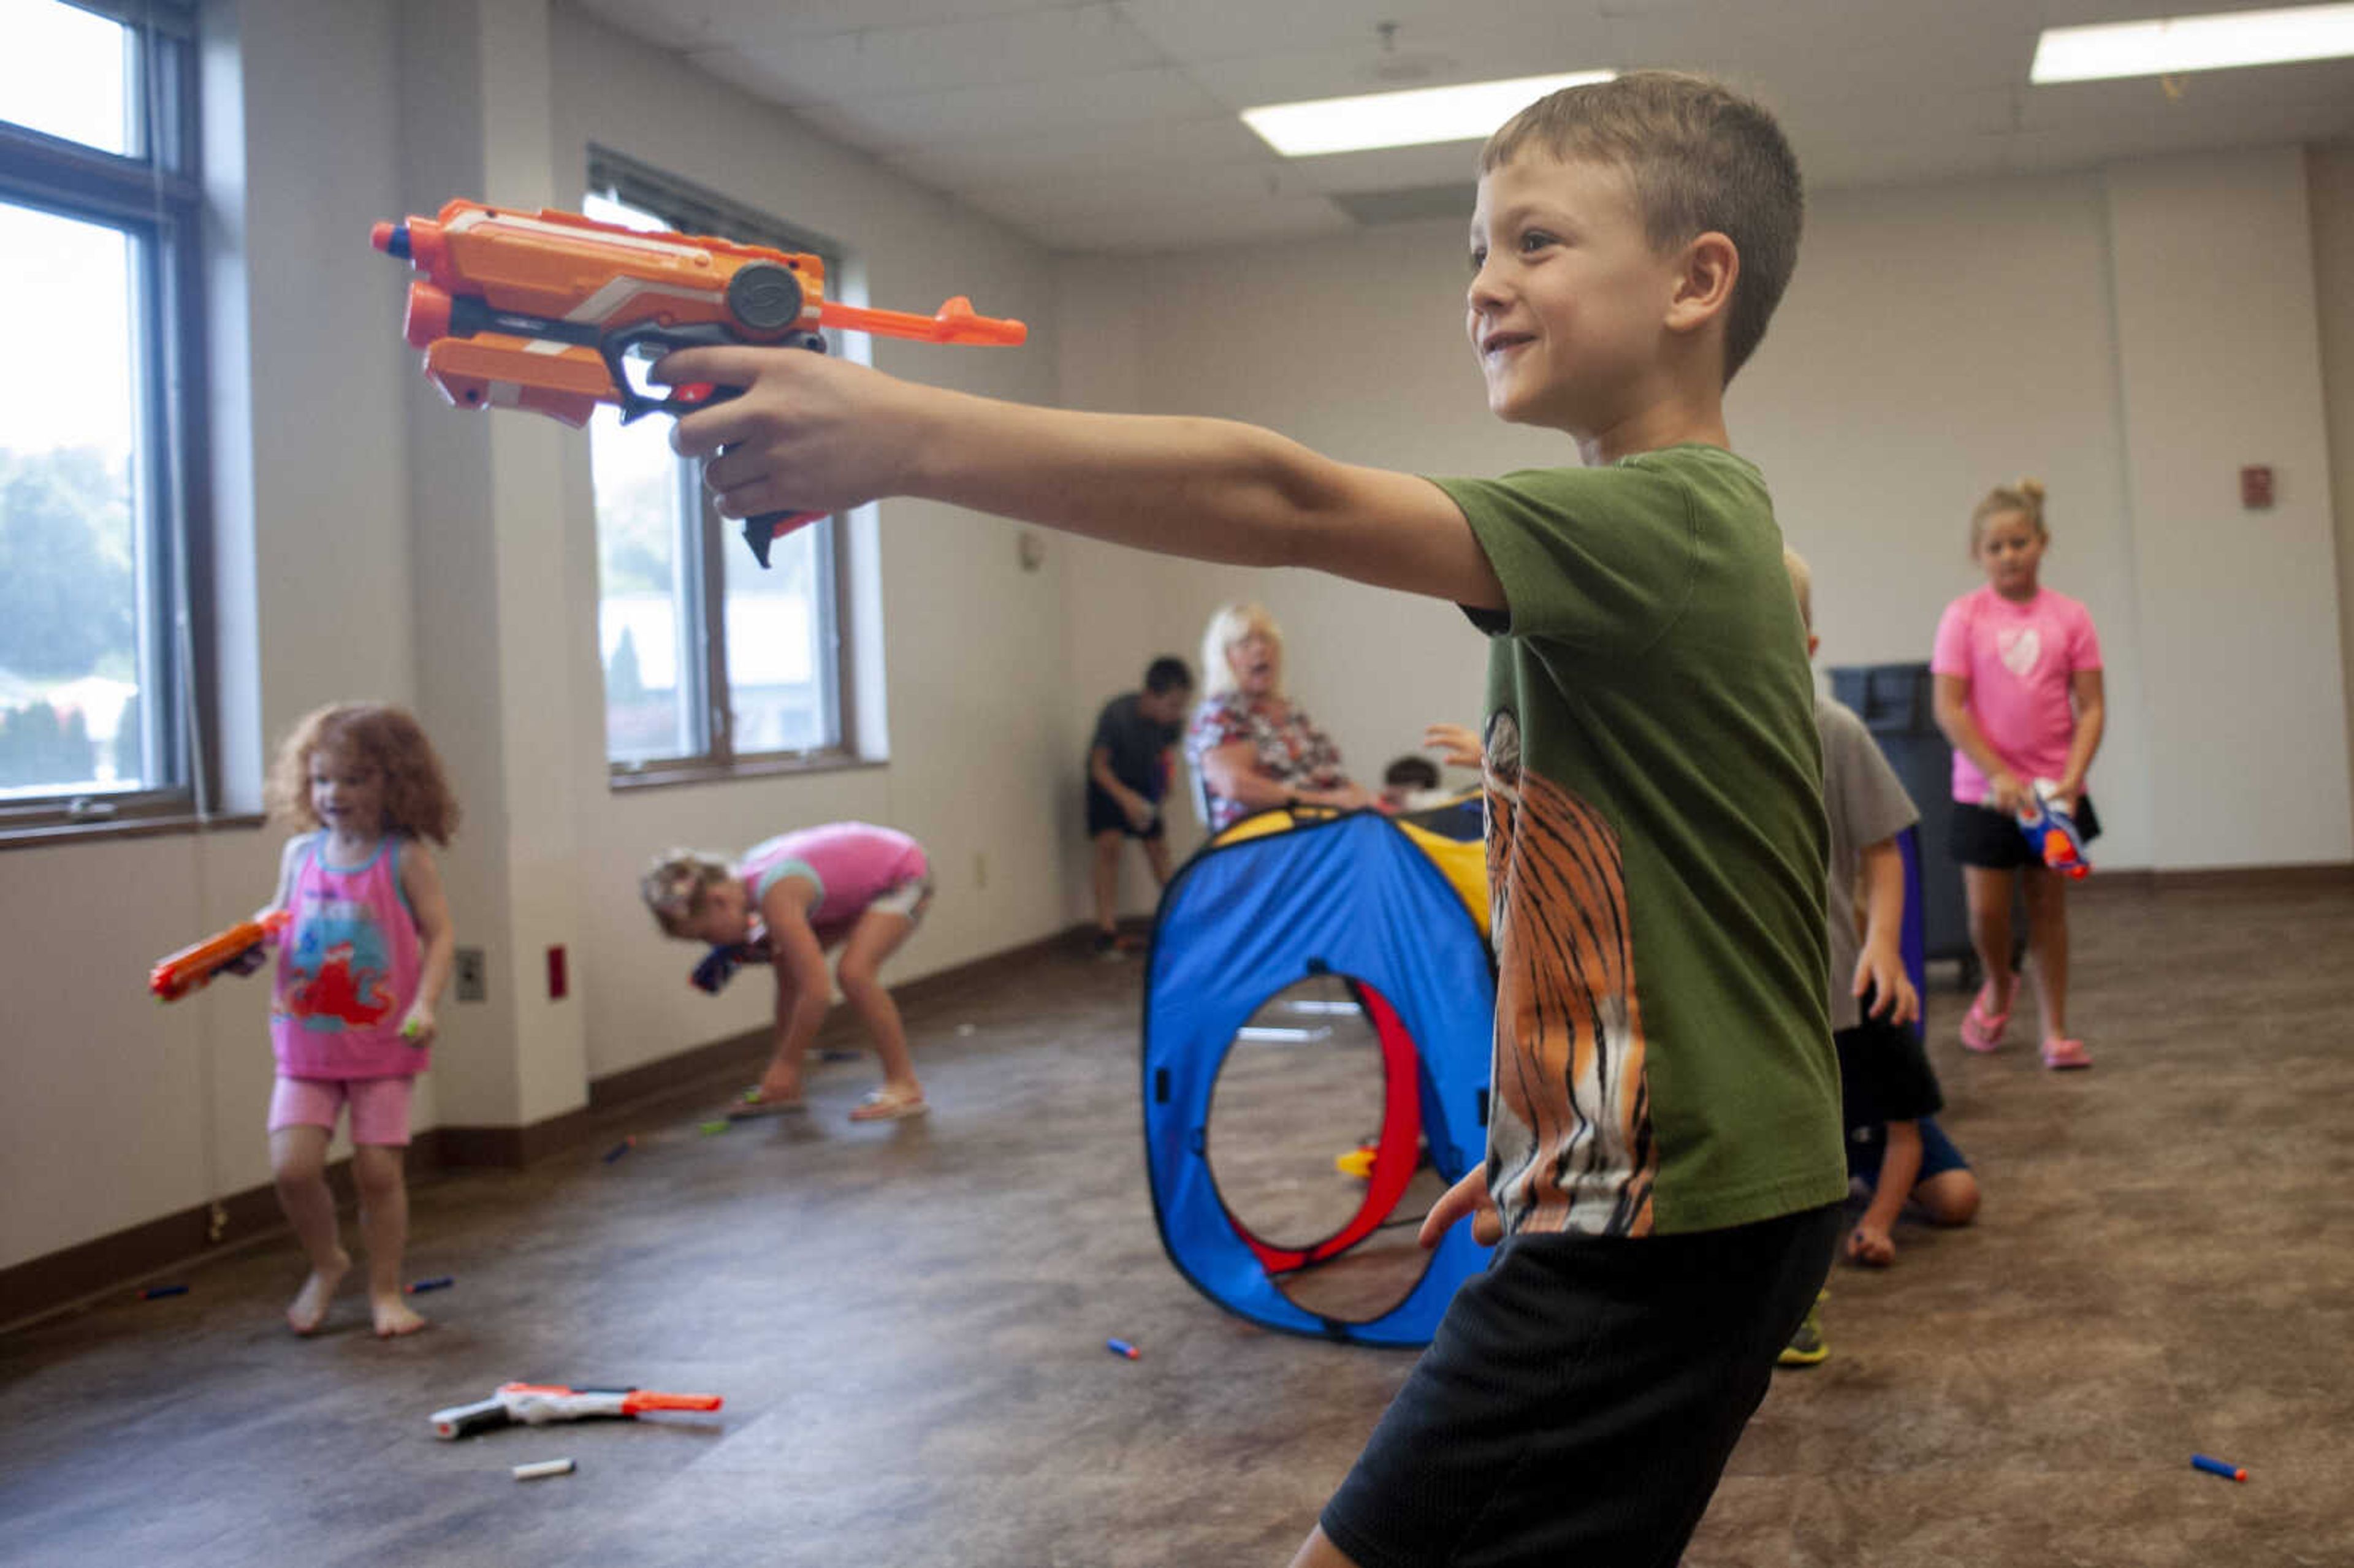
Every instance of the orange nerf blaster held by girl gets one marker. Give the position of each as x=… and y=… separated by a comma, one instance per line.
x=541, y=310
x=191, y=969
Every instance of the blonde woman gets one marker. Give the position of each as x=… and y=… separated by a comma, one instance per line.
x=1253, y=749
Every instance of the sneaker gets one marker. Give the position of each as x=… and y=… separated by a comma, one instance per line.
x=1807, y=1347
x=1107, y=947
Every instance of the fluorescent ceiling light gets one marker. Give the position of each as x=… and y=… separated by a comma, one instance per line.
x=2176, y=44
x=1410, y=119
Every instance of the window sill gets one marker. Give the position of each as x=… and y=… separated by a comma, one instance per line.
x=127, y=828
x=662, y=775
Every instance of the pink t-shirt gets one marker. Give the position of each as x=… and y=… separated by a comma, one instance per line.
x=349, y=970
x=2018, y=658
x=853, y=863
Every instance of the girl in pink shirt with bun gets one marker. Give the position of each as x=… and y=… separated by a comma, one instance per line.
x=2017, y=672
x=789, y=899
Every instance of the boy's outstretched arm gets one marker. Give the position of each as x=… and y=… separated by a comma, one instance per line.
x=812, y=433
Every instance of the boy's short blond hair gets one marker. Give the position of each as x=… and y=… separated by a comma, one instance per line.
x=673, y=885
x=1802, y=583
x=1702, y=158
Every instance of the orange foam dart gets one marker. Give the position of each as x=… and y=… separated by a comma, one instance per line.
x=638, y=1401
x=955, y=321
x=192, y=967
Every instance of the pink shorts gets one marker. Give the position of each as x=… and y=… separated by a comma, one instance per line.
x=379, y=1107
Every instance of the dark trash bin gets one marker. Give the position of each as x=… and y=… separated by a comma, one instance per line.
x=1898, y=703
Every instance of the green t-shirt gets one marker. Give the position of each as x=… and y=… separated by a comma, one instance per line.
x=1656, y=850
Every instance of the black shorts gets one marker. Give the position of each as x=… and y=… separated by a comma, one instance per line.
x=1884, y=1075
x=1580, y=1398
x=1104, y=816
x=1988, y=839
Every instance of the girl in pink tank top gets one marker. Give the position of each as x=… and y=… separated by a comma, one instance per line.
x=367, y=954
x=784, y=903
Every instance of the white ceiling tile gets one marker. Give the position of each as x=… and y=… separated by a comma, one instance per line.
x=2256, y=99
x=1146, y=229
x=1075, y=106
x=899, y=62
x=1198, y=31
x=1139, y=154
x=1111, y=123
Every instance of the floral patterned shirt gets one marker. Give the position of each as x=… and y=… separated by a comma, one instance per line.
x=1286, y=744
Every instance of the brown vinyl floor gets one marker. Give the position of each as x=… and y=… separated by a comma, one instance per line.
x=907, y=1322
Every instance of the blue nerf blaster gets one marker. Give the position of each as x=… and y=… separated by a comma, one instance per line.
x=720, y=966
x=2051, y=832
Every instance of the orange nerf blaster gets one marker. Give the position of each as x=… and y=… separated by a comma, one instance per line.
x=538, y=1405
x=191, y=969
x=541, y=310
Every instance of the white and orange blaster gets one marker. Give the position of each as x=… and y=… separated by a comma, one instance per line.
x=538, y=1404
x=542, y=311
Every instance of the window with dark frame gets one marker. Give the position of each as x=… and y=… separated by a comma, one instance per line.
x=712, y=666
x=105, y=652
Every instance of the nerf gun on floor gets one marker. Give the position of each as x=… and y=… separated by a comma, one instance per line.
x=720, y=966
x=538, y=1405
x=541, y=311
x=2051, y=832
x=191, y=969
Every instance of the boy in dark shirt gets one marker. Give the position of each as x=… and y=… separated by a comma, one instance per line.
x=1128, y=777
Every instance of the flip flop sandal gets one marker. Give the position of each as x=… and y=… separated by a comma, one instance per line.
x=2060, y=1055
x=751, y=1107
x=1981, y=1030
x=881, y=1106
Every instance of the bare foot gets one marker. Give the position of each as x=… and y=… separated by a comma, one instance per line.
x=394, y=1317
x=309, y=1308
x=1871, y=1246
x=780, y=1087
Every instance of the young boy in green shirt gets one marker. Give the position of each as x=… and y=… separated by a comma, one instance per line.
x=1664, y=1160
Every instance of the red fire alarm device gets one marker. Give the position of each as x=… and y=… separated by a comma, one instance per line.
x=556, y=979
x=2256, y=488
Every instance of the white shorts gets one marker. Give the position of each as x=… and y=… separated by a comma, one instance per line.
x=907, y=899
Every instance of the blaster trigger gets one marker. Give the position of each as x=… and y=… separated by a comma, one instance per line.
x=762, y=532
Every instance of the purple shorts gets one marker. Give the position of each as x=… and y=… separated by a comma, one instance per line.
x=379, y=1107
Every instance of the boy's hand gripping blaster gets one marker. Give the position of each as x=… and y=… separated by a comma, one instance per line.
x=540, y=310
x=192, y=968
x=538, y=1405
x=2051, y=832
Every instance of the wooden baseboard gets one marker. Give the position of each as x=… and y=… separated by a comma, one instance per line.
x=124, y=1259
x=2223, y=878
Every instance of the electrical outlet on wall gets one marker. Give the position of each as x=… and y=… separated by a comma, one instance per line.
x=470, y=985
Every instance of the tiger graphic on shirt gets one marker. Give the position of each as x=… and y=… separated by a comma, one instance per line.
x=1570, y=1140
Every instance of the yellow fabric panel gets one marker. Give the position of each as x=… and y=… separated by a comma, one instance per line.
x=1465, y=866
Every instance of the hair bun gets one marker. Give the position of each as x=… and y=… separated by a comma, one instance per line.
x=2032, y=489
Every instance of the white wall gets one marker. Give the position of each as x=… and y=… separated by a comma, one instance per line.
x=1935, y=342
x=2219, y=346
x=2331, y=190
